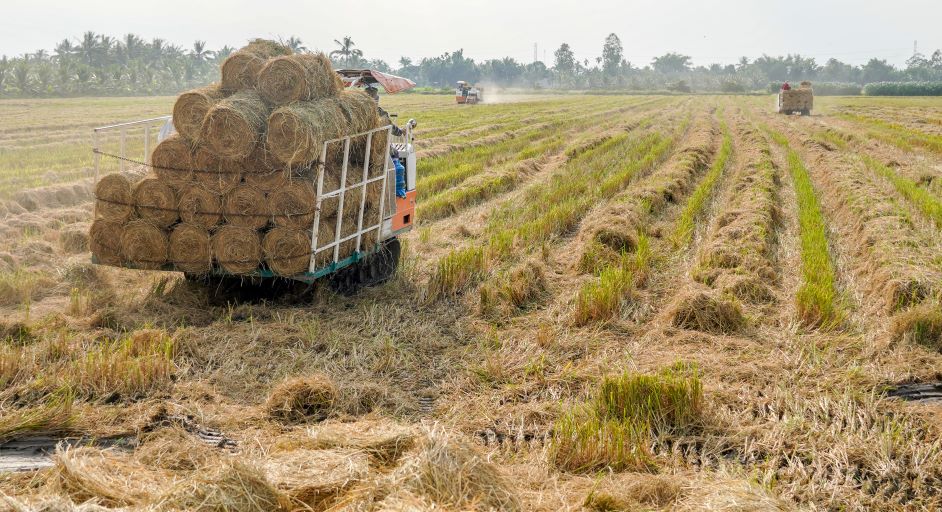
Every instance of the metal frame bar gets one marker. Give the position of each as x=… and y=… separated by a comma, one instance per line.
x=123, y=132
x=341, y=194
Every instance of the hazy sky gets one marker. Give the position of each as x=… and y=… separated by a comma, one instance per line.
x=709, y=31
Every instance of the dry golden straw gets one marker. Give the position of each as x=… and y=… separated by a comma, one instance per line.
x=293, y=205
x=238, y=250
x=246, y=206
x=200, y=207
x=216, y=174
x=299, y=77
x=267, y=182
x=261, y=161
x=113, y=194
x=191, y=107
x=287, y=251
x=104, y=239
x=233, y=127
x=155, y=201
x=240, y=70
x=297, y=132
x=144, y=245
x=190, y=248
x=173, y=160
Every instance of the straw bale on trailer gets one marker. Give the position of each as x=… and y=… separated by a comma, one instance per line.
x=272, y=180
x=240, y=70
x=173, y=160
x=238, y=250
x=246, y=206
x=190, y=248
x=287, y=251
x=293, y=205
x=234, y=126
x=155, y=201
x=144, y=245
x=218, y=175
x=200, y=206
x=298, y=77
x=104, y=239
x=296, y=132
x=191, y=107
x=113, y=198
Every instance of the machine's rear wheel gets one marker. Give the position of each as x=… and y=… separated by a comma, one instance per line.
x=375, y=269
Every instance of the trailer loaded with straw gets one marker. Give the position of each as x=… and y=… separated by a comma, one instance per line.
x=281, y=170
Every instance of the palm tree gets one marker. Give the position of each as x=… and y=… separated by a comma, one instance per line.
x=199, y=52
x=223, y=53
x=133, y=45
x=64, y=49
x=295, y=44
x=347, y=50
x=88, y=46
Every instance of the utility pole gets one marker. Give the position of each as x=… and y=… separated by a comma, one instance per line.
x=534, y=52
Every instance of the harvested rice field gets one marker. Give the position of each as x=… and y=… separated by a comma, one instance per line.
x=607, y=303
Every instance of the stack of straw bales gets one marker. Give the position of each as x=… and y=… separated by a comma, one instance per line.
x=235, y=186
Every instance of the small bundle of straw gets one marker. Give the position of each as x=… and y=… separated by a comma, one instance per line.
x=245, y=206
x=296, y=132
x=287, y=250
x=104, y=240
x=216, y=174
x=200, y=207
x=299, y=77
x=261, y=161
x=240, y=70
x=190, y=249
x=144, y=245
x=238, y=250
x=360, y=109
x=155, y=201
x=173, y=160
x=233, y=127
x=113, y=198
x=293, y=205
x=191, y=107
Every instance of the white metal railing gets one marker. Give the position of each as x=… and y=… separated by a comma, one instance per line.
x=341, y=193
x=122, y=129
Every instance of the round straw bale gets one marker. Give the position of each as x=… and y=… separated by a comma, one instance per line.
x=293, y=205
x=191, y=107
x=155, y=201
x=261, y=161
x=237, y=249
x=240, y=70
x=113, y=198
x=287, y=250
x=351, y=203
x=234, y=125
x=190, y=248
x=296, y=132
x=245, y=206
x=298, y=77
x=267, y=182
x=104, y=239
x=173, y=160
x=360, y=109
x=144, y=245
x=218, y=175
x=200, y=207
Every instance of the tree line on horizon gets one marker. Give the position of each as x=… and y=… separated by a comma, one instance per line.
x=102, y=65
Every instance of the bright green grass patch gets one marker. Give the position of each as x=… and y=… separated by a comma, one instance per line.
x=616, y=428
x=899, y=135
x=817, y=297
x=683, y=232
x=925, y=201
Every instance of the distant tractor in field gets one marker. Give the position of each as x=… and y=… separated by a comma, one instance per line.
x=792, y=100
x=467, y=94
